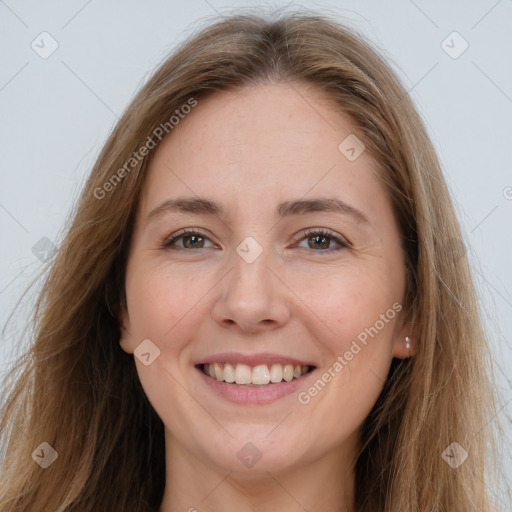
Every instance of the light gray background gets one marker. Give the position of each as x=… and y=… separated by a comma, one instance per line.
x=56, y=114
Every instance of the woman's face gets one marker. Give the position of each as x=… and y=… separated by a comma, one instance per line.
x=293, y=256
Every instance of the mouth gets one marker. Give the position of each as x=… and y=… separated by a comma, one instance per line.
x=254, y=375
x=257, y=384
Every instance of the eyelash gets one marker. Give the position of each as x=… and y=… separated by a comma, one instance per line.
x=342, y=243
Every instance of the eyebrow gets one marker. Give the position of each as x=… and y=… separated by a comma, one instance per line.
x=204, y=206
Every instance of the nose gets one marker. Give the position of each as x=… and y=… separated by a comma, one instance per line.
x=252, y=297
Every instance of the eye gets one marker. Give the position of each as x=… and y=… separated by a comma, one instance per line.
x=320, y=239
x=191, y=238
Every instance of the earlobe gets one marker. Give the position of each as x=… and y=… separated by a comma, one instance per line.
x=124, y=327
x=406, y=342
x=405, y=347
x=123, y=343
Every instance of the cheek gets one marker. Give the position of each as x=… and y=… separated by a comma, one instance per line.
x=164, y=306
x=354, y=328
x=348, y=302
x=162, y=301
x=355, y=318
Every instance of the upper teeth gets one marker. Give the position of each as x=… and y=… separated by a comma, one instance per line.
x=260, y=374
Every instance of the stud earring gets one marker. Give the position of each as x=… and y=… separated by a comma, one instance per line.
x=407, y=342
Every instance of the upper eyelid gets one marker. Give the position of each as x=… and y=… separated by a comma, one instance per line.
x=309, y=231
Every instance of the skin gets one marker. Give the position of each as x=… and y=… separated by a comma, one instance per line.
x=251, y=150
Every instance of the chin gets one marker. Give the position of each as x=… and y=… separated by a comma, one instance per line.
x=249, y=458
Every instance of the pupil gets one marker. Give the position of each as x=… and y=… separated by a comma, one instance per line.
x=193, y=237
x=318, y=238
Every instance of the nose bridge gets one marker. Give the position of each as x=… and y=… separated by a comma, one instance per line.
x=251, y=295
x=250, y=279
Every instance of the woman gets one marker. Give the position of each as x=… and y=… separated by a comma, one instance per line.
x=261, y=302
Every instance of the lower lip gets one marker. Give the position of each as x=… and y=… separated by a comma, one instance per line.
x=243, y=394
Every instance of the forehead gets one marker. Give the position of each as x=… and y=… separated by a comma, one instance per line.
x=287, y=119
x=270, y=142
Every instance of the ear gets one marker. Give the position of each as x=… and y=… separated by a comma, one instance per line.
x=405, y=328
x=124, y=325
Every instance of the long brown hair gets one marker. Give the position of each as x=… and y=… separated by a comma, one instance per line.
x=77, y=391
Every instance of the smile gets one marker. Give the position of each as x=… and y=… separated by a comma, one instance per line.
x=258, y=384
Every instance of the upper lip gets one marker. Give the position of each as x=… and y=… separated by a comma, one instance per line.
x=252, y=359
